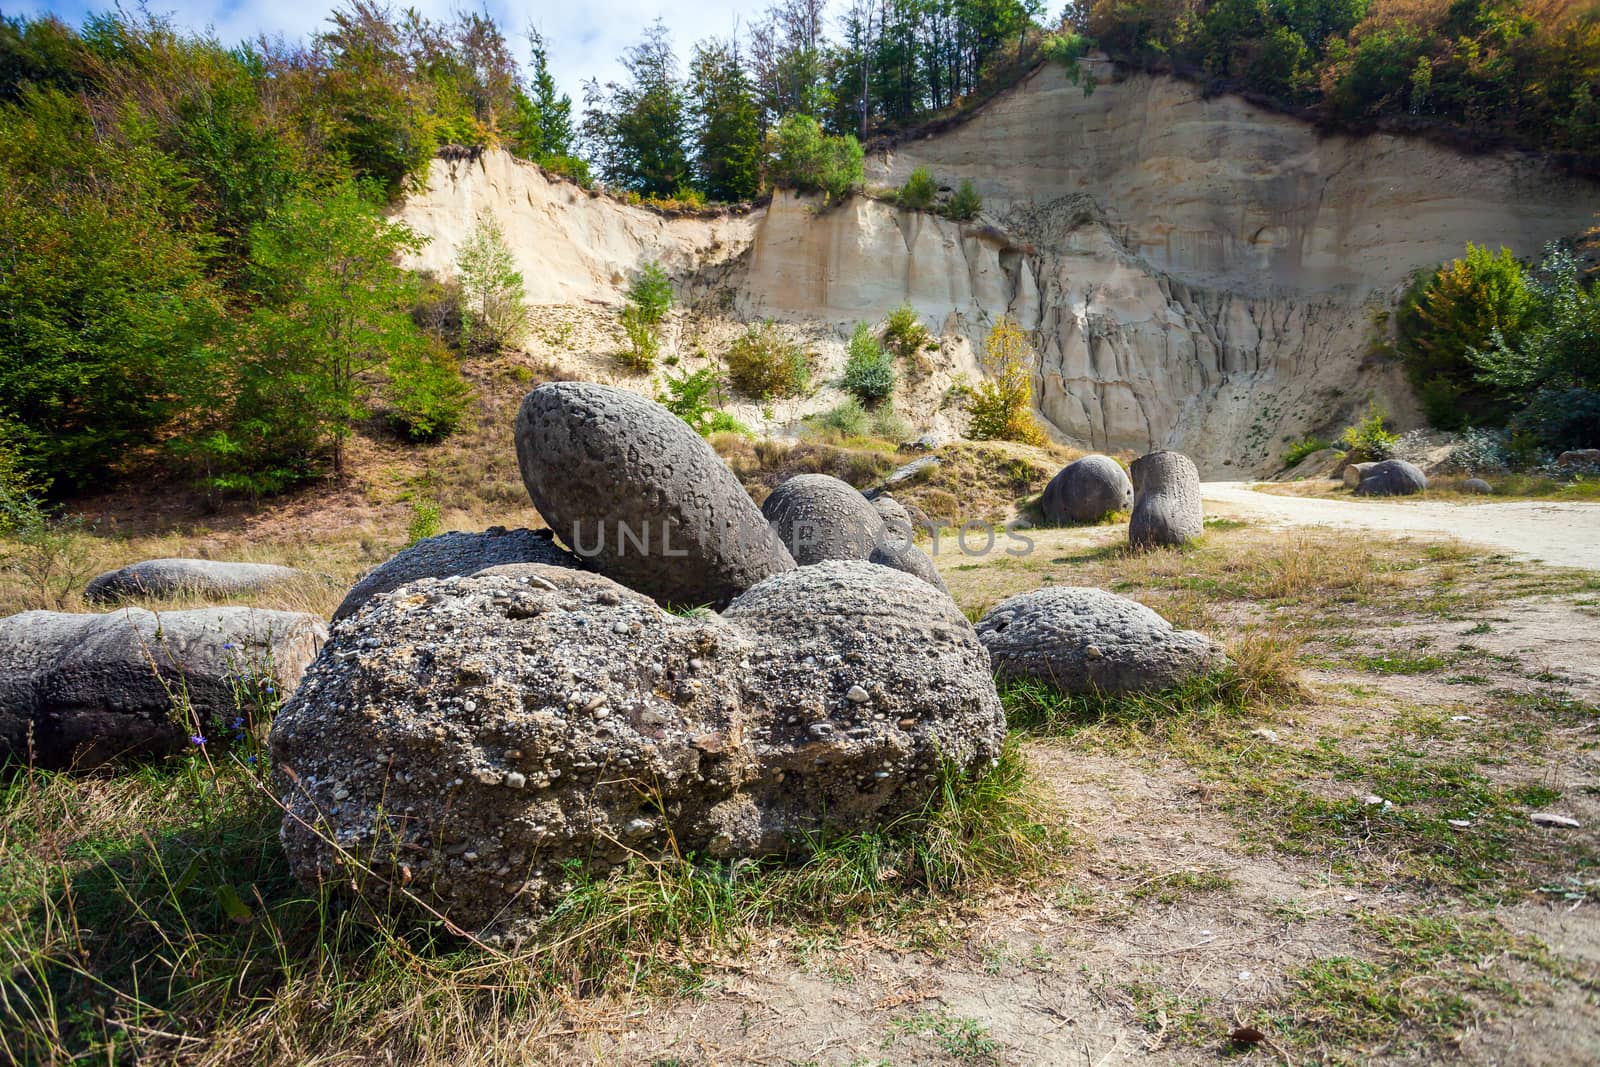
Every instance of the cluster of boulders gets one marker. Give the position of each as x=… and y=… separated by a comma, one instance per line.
x=1163, y=496
x=468, y=736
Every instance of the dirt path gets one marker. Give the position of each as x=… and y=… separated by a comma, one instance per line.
x=1563, y=534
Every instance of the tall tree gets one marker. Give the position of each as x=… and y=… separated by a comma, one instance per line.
x=727, y=128
x=544, y=116
x=636, y=131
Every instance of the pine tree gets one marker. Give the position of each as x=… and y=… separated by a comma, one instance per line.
x=544, y=116
x=727, y=127
x=636, y=131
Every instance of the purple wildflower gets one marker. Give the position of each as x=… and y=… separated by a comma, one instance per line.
x=197, y=740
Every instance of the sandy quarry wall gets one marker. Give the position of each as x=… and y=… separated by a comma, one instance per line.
x=1199, y=274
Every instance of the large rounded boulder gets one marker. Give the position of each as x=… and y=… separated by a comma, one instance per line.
x=1086, y=490
x=456, y=553
x=472, y=739
x=83, y=689
x=903, y=555
x=180, y=577
x=820, y=517
x=1166, y=501
x=1083, y=640
x=1392, y=477
x=640, y=496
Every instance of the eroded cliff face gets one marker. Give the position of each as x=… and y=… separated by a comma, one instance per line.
x=1198, y=274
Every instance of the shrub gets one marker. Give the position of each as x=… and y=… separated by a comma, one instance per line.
x=1479, y=452
x=644, y=339
x=851, y=419
x=688, y=396
x=651, y=293
x=1001, y=405
x=427, y=395
x=805, y=158
x=1455, y=311
x=869, y=372
x=904, y=332
x=966, y=203
x=919, y=192
x=764, y=364
x=425, y=522
x=494, y=311
x=1303, y=448
x=1368, y=440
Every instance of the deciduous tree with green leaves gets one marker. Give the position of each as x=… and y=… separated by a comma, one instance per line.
x=494, y=308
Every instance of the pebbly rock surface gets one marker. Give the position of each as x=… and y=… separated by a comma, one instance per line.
x=1166, y=504
x=1084, y=640
x=819, y=517
x=95, y=687
x=1086, y=490
x=196, y=577
x=471, y=736
x=897, y=518
x=1392, y=477
x=640, y=496
x=456, y=553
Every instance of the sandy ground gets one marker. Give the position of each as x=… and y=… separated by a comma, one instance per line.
x=1563, y=534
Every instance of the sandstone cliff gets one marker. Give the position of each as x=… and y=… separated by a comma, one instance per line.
x=1199, y=273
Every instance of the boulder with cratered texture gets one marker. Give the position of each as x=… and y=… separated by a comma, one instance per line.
x=475, y=739
x=1392, y=477
x=84, y=688
x=179, y=577
x=818, y=517
x=641, y=497
x=456, y=553
x=1082, y=640
x=1086, y=490
x=1166, y=500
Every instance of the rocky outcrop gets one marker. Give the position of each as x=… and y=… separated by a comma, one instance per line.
x=179, y=577
x=640, y=496
x=1392, y=477
x=456, y=553
x=1082, y=640
x=1086, y=490
x=82, y=689
x=818, y=517
x=469, y=739
x=1167, y=509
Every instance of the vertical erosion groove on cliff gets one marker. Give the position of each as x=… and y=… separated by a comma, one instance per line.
x=1199, y=274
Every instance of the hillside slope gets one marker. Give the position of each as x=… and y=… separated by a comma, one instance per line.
x=1199, y=273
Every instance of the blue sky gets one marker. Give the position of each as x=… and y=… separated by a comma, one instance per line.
x=584, y=37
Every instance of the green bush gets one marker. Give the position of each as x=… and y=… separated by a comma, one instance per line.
x=919, y=192
x=869, y=372
x=427, y=395
x=425, y=522
x=1001, y=405
x=1368, y=440
x=851, y=419
x=904, y=332
x=689, y=396
x=644, y=339
x=764, y=364
x=805, y=158
x=1303, y=448
x=494, y=310
x=966, y=203
x=651, y=293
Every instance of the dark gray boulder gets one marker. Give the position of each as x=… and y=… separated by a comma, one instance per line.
x=471, y=738
x=1392, y=477
x=1354, y=472
x=897, y=518
x=1086, y=490
x=819, y=517
x=193, y=577
x=1478, y=486
x=456, y=553
x=1083, y=640
x=903, y=555
x=1166, y=503
x=640, y=496
x=82, y=689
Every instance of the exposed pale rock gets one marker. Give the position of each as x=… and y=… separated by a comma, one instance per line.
x=194, y=577
x=819, y=517
x=456, y=553
x=1166, y=507
x=640, y=496
x=1354, y=472
x=93, y=687
x=467, y=738
x=1086, y=490
x=1083, y=640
